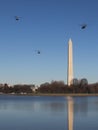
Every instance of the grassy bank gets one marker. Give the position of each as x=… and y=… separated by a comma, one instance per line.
x=70, y=94
x=53, y=94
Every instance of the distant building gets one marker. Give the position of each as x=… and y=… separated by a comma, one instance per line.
x=34, y=88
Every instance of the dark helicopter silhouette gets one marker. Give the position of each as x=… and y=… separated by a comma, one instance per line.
x=38, y=51
x=17, y=18
x=83, y=26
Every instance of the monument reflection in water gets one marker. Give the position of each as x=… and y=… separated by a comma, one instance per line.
x=70, y=113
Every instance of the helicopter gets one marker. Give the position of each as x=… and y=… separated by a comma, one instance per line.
x=83, y=26
x=17, y=18
x=38, y=52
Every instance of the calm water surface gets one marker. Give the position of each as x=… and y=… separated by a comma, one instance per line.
x=48, y=113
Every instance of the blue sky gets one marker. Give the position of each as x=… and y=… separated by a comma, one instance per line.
x=47, y=25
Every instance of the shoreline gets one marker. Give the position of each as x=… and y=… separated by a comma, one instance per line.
x=71, y=94
x=54, y=94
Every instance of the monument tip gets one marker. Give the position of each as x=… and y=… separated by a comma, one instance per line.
x=70, y=40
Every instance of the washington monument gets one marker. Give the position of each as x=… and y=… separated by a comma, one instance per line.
x=70, y=64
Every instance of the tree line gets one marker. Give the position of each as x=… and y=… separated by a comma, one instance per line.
x=16, y=89
x=53, y=87
x=59, y=87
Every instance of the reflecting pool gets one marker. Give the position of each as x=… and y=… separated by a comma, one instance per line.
x=48, y=113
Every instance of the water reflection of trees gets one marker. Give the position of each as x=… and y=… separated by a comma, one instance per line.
x=53, y=107
x=81, y=105
x=17, y=106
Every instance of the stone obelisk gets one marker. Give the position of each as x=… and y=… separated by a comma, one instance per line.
x=70, y=64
